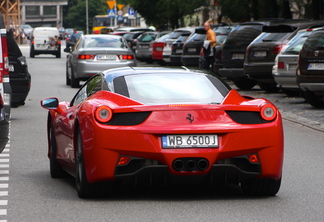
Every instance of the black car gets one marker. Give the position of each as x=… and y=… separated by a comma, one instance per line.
x=131, y=38
x=234, y=49
x=177, y=49
x=310, y=69
x=19, y=76
x=261, y=53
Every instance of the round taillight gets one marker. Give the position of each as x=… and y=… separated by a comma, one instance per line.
x=268, y=112
x=103, y=114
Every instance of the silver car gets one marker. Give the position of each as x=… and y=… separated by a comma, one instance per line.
x=95, y=53
x=284, y=70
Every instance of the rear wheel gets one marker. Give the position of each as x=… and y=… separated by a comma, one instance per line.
x=55, y=168
x=75, y=83
x=245, y=84
x=32, y=52
x=84, y=188
x=270, y=88
x=261, y=187
x=314, y=100
x=68, y=80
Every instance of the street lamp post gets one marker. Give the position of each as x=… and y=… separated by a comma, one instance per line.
x=87, y=18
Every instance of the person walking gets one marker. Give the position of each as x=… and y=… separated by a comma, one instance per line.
x=209, y=46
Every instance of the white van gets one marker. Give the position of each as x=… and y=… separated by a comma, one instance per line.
x=45, y=40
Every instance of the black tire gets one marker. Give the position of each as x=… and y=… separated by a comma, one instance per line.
x=75, y=83
x=83, y=187
x=244, y=84
x=314, y=100
x=32, y=52
x=68, y=80
x=58, y=55
x=261, y=187
x=55, y=168
x=270, y=88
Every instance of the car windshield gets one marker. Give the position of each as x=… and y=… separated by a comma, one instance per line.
x=147, y=37
x=172, y=89
x=314, y=42
x=101, y=41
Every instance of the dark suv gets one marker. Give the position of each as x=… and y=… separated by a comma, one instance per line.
x=261, y=53
x=18, y=73
x=310, y=69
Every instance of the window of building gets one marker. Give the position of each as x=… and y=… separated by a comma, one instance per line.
x=32, y=11
x=49, y=10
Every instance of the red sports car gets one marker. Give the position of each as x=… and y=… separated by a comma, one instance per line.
x=156, y=126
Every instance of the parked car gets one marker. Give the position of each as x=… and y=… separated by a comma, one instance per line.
x=144, y=45
x=172, y=38
x=5, y=88
x=157, y=49
x=284, y=70
x=68, y=32
x=94, y=53
x=20, y=78
x=234, y=49
x=45, y=40
x=131, y=38
x=310, y=69
x=192, y=51
x=132, y=29
x=177, y=49
x=26, y=30
x=261, y=53
x=160, y=126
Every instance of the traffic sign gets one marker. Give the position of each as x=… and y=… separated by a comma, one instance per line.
x=111, y=13
x=111, y=3
x=131, y=13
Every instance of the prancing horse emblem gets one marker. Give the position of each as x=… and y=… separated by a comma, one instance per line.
x=190, y=118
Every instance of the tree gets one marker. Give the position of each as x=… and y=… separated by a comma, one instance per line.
x=168, y=13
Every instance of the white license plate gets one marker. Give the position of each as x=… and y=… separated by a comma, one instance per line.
x=238, y=56
x=260, y=54
x=292, y=67
x=191, y=49
x=144, y=46
x=316, y=66
x=106, y=57
x=190, y=141
x=11, y=68
x=179, y=51
x=159, y=49
x=41, y=46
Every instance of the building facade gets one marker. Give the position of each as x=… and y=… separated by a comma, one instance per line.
x=42, y=12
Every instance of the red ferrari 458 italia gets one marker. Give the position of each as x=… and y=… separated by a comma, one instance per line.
x=155, y=126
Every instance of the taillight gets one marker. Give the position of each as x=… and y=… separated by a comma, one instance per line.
x=126, y=57
x=5, y=57
x=96, y=32
x=268, y=112
x=86, y=57
x=103, y=114
x=281, y=65
x=277, y=49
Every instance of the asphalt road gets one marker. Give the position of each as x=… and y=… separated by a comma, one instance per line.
x=32, y=195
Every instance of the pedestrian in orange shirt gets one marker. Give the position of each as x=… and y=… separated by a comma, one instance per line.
x=211, y=37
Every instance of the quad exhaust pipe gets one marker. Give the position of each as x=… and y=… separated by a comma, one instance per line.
x=190, y=164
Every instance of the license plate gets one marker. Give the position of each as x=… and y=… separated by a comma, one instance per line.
x=41, y=46
x=292, y=67
x=179, y=51
x=238, y=56
x=144, y=46
x=106, y=57
x=159, y=49
x=260, y=54
x=190, y=141
x=11, y=68
x=316, y=66
x=191, y=49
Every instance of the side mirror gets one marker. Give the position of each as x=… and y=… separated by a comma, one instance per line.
x=50, y=103
x=67, y=49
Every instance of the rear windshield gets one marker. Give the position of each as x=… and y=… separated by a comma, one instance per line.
x=314, y=42
x=172, y=89
x=296, y=44
x=196, y=37
x=177, y=34
x=243, y=35
x=100, y=41
x=147, y=37
x=271, y=37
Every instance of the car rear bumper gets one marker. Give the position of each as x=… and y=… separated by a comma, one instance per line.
x=311, y=83
x=190, y=60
